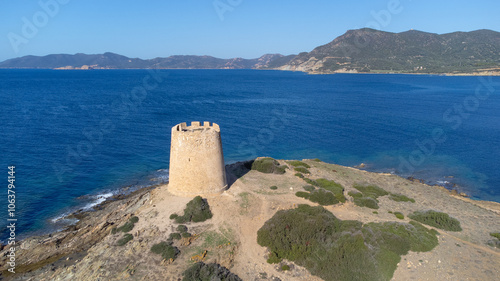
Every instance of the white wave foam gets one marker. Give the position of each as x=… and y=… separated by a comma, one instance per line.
x=98, y=200
x=443, y=182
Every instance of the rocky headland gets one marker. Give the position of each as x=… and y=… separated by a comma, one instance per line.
x=121, y=238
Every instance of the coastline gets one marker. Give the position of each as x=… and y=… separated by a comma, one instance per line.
x=466, y=74
x=80, y=249
x=93, y=225
x=104, y=198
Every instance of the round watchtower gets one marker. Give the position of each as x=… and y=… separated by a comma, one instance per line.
x=196, y=160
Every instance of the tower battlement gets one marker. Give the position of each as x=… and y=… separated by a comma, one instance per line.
x=195, y=125
x=196, y=160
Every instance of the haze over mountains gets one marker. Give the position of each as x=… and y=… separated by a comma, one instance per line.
x=361, y=50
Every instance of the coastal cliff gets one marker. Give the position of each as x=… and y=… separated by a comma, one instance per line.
x=94, y=249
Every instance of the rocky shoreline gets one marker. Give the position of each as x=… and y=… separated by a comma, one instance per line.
x=66, y=247
x=88, y=250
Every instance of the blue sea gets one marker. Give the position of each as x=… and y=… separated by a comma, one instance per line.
x=78, y=137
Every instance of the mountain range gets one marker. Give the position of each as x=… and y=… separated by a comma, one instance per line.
x=357, y=51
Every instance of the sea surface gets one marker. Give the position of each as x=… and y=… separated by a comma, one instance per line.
x=78, y=137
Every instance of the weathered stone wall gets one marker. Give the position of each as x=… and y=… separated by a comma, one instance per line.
x=196, y=160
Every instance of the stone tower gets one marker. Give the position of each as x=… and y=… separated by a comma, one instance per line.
x=196, y=160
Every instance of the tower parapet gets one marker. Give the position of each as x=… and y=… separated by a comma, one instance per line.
x=196, y=160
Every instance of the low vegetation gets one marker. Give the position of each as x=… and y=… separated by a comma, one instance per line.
x=166, y=250
x=299, y=175
x=125, y=239
x=400, y=198
x=371, y=190
x=268, y=166
x=367, y=202
x=496, y=241
x=174, y=236
x=399, y=215
x=320, y=196
x=126, y=227
x=309, y=188
x=197, y=210
x=437, y=219
x=297, y=163
x=182, y=228
x=495, y=234
x=336, y=250
x=302, y=170
x=329, y=185
x=207, y=272
x=367, y=197
x=274, y=187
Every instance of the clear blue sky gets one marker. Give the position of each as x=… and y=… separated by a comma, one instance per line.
x=248, y=28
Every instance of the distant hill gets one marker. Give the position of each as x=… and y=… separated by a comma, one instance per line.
x=360, y=50
x=114, y=61
x=369, y=50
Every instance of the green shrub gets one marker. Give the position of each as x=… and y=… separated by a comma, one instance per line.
x=173, y=216
x=400, y=198
x=124, y=240
x=197, y=210
x=299, y=175
x=182, y=228
x=399, y=215
x=495, y=234
x=302, y=170
x=495, y=243
x=297, y=163
x=186, y=235
x=310, y=181
x=208, y=272
x=302, y=194
x=174, y=236
x=273, y=258
x=355, y=194
x=375, y=212
x=372, y=191
x=268, y=166
x=274, y=187
x=319, y=196
x=419, y=238
x=368, y=202
x=309, y=188
x=323, y=197
x=285, y=267
x=166, y=250
x=336, y=250
x=316, y=160
x=280, y=170
x=330, y=185
x=128, y=226
x=436, y=219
